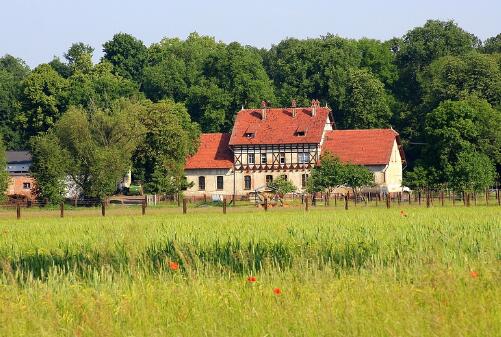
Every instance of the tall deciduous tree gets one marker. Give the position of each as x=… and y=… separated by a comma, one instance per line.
x=170, y=138
x=44, y=97
x=50, y=167
x=128, y=56
x=366, y=103
x=492, y=44
x=472, y=172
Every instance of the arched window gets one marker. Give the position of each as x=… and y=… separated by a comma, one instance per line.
x=201, y=183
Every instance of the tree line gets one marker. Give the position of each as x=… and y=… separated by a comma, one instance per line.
x=144, y=106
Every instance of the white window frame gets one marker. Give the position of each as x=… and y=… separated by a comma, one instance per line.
x=249, y=161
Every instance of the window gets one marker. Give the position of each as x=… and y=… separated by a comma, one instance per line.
x=300, y=133
x=26, y=186
x=219, y=182
x=247, y=182
x=249, y=135
x=284, y=176
x=269, y=179
x=264, y=158
x=251, y=158
x=282, y=158
x=304, y=180
x=201, y=183
x=303, y=157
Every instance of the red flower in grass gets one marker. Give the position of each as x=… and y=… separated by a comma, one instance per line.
x=251, y=279
x=173, y=265
x=277, y=291
x=473, y=274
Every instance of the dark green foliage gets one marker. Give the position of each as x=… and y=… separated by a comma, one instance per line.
x=50, y=167
x=127, y=55
x=492, y=44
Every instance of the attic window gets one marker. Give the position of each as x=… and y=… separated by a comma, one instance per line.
x=300, y=133
x=249, y=135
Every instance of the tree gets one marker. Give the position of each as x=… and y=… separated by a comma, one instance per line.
x=49, y=167
x=458, y=126
x=492, y=45
x=473, y=172
x=418, y=178
x=4, y=177
x=281, y=186
x=44, y=99
x=366, y=105
x=170, y=138
x=328, y=175
x=456, y=77
x=127, y=55
x=357, y=176
x=79, y=57
x=99, y=146
x=12, y=73
x=421, y=46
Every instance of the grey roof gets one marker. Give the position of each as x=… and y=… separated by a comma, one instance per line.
x=14, y=157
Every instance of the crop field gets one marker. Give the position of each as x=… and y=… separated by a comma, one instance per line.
x=404, y=271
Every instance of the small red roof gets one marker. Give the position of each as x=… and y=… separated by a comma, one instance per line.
x=362, y=147
x=214, y=152
x=279, y=127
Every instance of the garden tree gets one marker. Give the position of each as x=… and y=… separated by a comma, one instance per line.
x=170, y=138
x=79, y=57
x=128, y=56
x=12, y=73
x=328, y=175
x=418, y=178
x=357, y=176
x=49, y=167
x=166, y=80
x=4, y=177
x=492, y=45
x=455, y=77
x=44, y=99
x=281, y=186
x=366, y=104
x=99, y=87
x=458, y=126
x=99, y=146
x=472, y=172
x=421, y=46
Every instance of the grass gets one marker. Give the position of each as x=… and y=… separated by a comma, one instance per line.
x=363, y=272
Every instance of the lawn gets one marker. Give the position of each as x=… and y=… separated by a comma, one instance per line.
x=404, y=271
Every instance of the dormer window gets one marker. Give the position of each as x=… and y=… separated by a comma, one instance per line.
x=249, y=135
x=300, y=133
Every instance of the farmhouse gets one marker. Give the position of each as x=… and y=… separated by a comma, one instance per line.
x=270, y=142
x=20, y=182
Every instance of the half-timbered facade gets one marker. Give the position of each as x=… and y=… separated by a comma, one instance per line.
x=270, y=142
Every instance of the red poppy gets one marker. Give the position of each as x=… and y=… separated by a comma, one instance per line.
x=173, y=265
x=277, y=291
x=251, y=279
x=473, y=274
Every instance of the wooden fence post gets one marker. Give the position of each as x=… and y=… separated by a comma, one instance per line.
x=442, y=197
x=224, y=205
x=61, y=208
x=388, y=200
x=428, y=201
x=185, y=206
x=486, y=197
x=103, y=208
x=18, y=211
x=346, y=200
x=143, y=207
x=306, y=206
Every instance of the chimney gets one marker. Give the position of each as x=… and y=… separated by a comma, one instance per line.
x=263, y=110
x=294, y=105
x=313, y=108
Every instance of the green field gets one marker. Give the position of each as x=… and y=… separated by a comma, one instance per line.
x=363, y=272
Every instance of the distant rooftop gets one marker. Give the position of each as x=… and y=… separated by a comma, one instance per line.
x=18, y=157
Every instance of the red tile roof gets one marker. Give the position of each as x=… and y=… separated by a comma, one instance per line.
x=362, y=147
x=214, y=152
x=279, y=127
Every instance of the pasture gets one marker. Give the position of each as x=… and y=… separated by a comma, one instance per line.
x=404, y=271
